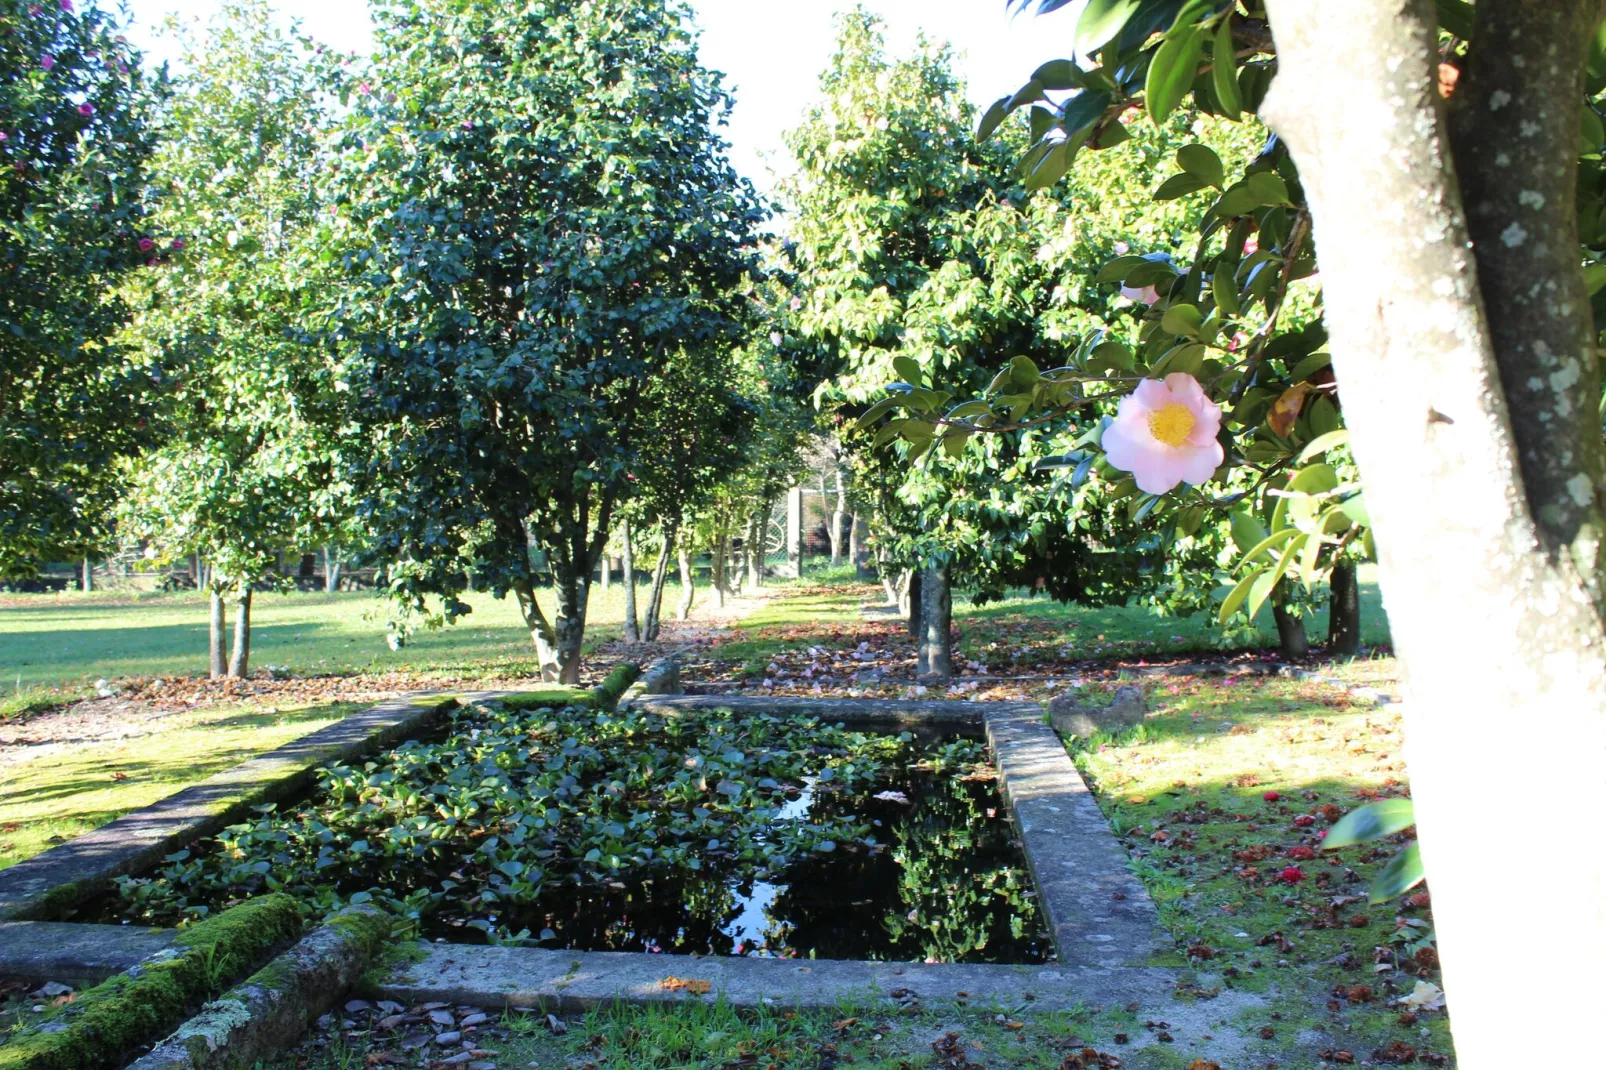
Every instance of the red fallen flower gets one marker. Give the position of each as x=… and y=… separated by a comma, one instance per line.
x=1291, y=875
x=1304, y=821
x=1272, y=796
x=1303, y=853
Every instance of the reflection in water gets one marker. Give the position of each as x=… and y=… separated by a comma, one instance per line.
x=943, y=881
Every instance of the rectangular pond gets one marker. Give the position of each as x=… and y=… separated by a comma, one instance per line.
x=707, y=832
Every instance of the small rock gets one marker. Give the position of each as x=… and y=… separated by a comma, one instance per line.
x=1071, y=718
x=442, y=1018
x=456, y=1060
x=414, y=1041
x=475, y=1019
x=355, y=1005
x=448, y=1038
x=390, y=1006
x=52, y=989
x=392, y=1021
x=481, y=1065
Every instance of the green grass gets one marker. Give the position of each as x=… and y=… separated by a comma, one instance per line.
x=1059, y=632
x=58, y=795
x=54, y=641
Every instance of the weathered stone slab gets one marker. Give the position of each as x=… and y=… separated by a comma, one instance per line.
x=661, y=677
x=1097, y=910
x=49, y=885
x=573, y=981
x=854, y=712
x=275, y=1005
x=1070, y=718
x=38, y=951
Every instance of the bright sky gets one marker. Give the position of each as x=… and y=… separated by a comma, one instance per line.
x=771, y=53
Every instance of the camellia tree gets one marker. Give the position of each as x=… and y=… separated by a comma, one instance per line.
x=1428, y=159
x=249, y=466
x=542, y=220
x=75, y=134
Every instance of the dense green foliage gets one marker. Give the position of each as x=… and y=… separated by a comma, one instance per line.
x=75, y=134
x=247, y=466
x=517, y=807
x=541, y=222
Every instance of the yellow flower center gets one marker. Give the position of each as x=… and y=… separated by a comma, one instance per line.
x=1171, y=423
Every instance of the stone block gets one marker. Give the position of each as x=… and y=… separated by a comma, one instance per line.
x=1071, y=718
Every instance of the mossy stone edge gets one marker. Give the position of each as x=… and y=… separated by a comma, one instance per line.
x=106, y=1023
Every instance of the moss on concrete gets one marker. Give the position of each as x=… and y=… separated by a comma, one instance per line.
x=104, y=1024
x=554, y=696
x=607, y=693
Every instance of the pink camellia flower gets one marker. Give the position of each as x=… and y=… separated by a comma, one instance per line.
x=47, y=61
x=1272, y=796
x=146, y=245
x=1164, y=434
x=66, y=5
x=1291, y=875
x=1147, y=294
x=1304, y=821
x=86, y=109
x=178, y=243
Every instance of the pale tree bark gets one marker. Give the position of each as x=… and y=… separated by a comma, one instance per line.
x=331, y=569
x=716, y=570
x=753, y=550
x=217, y=639
x=1490, y=583
x=688, y=580
x=540, y=629
x=88, y=583
x=628, y=578
x=240, y=656
x=607, y=572
x=660, y=576
x=838, y=515
x=935, y=656
x=1343, y=612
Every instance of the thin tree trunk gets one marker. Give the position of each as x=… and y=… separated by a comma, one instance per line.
x=89, y=575
x=914, y=604
x=628, y=578
x=837, y=516
x=607, y=572
x=935, y=657
x=660, y=576
x=240, y=657
x=572, y=586
x=688, y=581
x=542, y=635
x=1292, y=642
x=1489, y=580
x=716, y=570
x=331, y=569
x=1344, y=612
x=217, y=637
x=755, y=549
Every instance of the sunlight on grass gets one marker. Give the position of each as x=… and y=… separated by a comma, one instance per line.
x=59, y=794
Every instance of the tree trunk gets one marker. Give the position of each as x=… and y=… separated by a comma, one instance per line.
x=628, y=578
x=88, y=583
x=755, y=549
x=607, y=572
x=914, y=605
x=1343, y=613
x=935, y=659
x=217, y=637
x=542, y=635
x=1489, y=580
x=331, y=569
x=688, y=581
x=716, y=571
x=660, y=576
x=837, y=517
x=1292, y=642
x=240, y=656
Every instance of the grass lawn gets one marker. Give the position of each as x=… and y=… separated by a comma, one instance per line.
x=62, y=640
x=57, y=795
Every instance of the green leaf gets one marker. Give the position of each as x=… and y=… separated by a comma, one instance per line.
x=1023, y=372
x=1402, y=874
x=1236, y=596
x=1455, y=17
x=907, y=368
x=876, y=411
x=1179, y=186
x=1224, y=71
x=1202, y=162
x=1265, y=545
x=1225, y=289
x=1150, y=273
x=1371, y=822
x=1171, y=72
x=1269, y=579
x=1024, y=95
x=1314, y=479
x=1183, y=320
x=1269, y=187
x=1100, y=21
x=1323, y=415
x=1595, y=276
x=996, y=113
x=1116, y=270
x=1114, y=354
x=1083, y=109
x=1187, y=358
x=1052, y=167
x=1247, y=531
x=1310, y=366
x=1322, y=444
x=1059, y=74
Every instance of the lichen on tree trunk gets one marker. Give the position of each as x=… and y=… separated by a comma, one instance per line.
x=1490, y=592
x=935, y=656
x=216, y=637
x=627, y=576
x=660, y=576
x=240, y=657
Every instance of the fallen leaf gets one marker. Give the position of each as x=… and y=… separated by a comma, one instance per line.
x=696, y=988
